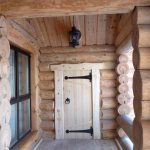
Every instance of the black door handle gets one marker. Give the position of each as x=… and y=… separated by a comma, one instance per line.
x=67, y=101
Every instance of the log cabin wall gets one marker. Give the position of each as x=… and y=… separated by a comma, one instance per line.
x=96, y=47
x=21, y=34
x=136, y=39
x=141, y=82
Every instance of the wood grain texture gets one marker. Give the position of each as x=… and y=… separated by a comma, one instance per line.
x=109, y=114
x=108, y=103
x=44, y=76
x=143, y=15
x=79, y=144
x=95, y=29
x=126, y=124
x=109, y=134
x=46, y=94
x=78, y=57
x=45, y=8
x=66, y=49
x=46, y=105
x=109, y=124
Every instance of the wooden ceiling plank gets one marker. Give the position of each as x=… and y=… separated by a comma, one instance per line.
x=79, y=23
x=111, y=31
x=91, y=29
x=101, y=29
x=40, y=37
x=51, y=29
x=44, y=31
x=64, y=27
x=45, y=8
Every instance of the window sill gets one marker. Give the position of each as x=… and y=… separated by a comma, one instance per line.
x=29, y=142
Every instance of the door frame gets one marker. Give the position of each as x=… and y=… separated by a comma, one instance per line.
x=59, y=99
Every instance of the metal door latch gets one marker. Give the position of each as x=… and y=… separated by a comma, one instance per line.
x=89, y=77
x=90, y=131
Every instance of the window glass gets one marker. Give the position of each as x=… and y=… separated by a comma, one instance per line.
x=13, y=123
x=20, y=121
x=24, y=117
x=23, y=69
x=12, y=73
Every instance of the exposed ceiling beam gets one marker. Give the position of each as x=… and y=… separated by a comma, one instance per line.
x=47, y=8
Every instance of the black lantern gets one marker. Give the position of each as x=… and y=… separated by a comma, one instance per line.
x=75, y=36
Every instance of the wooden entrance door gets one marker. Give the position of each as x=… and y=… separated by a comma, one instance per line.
x=77, y=113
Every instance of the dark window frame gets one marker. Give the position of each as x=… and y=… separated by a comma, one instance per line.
x=17, y=98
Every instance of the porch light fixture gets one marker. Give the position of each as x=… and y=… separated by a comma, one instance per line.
x=75, y=36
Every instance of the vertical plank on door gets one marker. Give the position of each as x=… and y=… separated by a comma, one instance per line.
x=59, y=107
x=96, y=103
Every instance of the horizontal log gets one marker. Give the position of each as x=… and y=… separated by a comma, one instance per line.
x=44, y=76
x=95, y=48
x=145, y=115
x=126, y=124
x=91, y=57
x=124, y=109
x=46, y=115
x=108, y=83
x=46, y=106
x=108, y=103
x=44, y=66
x=141, y=58
x=32, y=9
x=46, y=85
x=108, y=74
x=122, y=68
x=47, y=125
x=126, y=46
x=142, y=109
x=108, y=92
x=143, y=15
x=84, y=66
x=46, y=95
x=109, y=134
x=109, y=113
x=108, y=124
x=46, y=135
x=144, y=35
x=141, y=88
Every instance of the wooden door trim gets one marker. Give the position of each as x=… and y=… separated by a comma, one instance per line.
x=59, y=107
x=84, y=66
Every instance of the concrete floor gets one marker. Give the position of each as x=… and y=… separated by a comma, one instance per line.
x=78, y=145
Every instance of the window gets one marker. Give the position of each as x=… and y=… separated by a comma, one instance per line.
x=19, y=78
